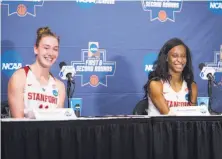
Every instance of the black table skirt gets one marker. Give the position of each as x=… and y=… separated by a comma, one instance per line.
x=187, y=138
x=136, y=138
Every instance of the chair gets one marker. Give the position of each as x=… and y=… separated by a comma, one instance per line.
x=215, y=106
x=141, y=107
x=4, y=109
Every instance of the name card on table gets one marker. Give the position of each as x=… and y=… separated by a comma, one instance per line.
x=190, y=111
x=54, y=114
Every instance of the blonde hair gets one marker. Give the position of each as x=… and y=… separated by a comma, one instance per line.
x=43, y=32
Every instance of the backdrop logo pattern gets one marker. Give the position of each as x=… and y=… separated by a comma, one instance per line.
x=93, y=67
x=215, y=6
x=90, y=3
x=216, y=65
x=23, y=7
x=10, y=62
x=149, y=60
x=162, y=10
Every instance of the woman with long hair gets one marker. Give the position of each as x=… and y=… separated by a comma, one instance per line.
x=171, y=83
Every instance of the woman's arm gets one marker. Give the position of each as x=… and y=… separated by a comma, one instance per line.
x=15, y=94
x=155, y=91
x=62, y=93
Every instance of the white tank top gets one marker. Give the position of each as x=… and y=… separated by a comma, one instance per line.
x=38, y=96
x=172, y=98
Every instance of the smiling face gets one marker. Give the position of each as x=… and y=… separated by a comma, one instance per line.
x=177, y=59
x=47, y=51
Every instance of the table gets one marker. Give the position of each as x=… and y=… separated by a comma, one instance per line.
x=114, y=138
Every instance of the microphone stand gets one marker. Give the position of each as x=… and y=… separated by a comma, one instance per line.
x=210, y=83
x=69, y=93
x=69, y=84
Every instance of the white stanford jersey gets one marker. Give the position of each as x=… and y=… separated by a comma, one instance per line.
x=172, y=98
x=38, y=96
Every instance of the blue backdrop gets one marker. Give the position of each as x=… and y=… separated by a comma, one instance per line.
x=129, y=36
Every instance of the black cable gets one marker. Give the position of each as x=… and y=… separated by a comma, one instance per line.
x=69, y=92
x=74, y=85
x=209, y=89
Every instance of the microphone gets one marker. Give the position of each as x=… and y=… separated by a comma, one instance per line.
x=201, y=65
x=67, y=72
x=207, y=73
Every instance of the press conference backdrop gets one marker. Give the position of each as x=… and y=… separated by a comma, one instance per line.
x=112, y=44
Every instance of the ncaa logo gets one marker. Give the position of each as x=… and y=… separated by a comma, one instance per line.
x=10, y=62
x=149, y=61
x=215, y=6
x=93, y=48
x=55, y=92
x=85, y=3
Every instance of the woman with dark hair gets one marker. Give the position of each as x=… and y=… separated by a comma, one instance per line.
x=171, y=83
